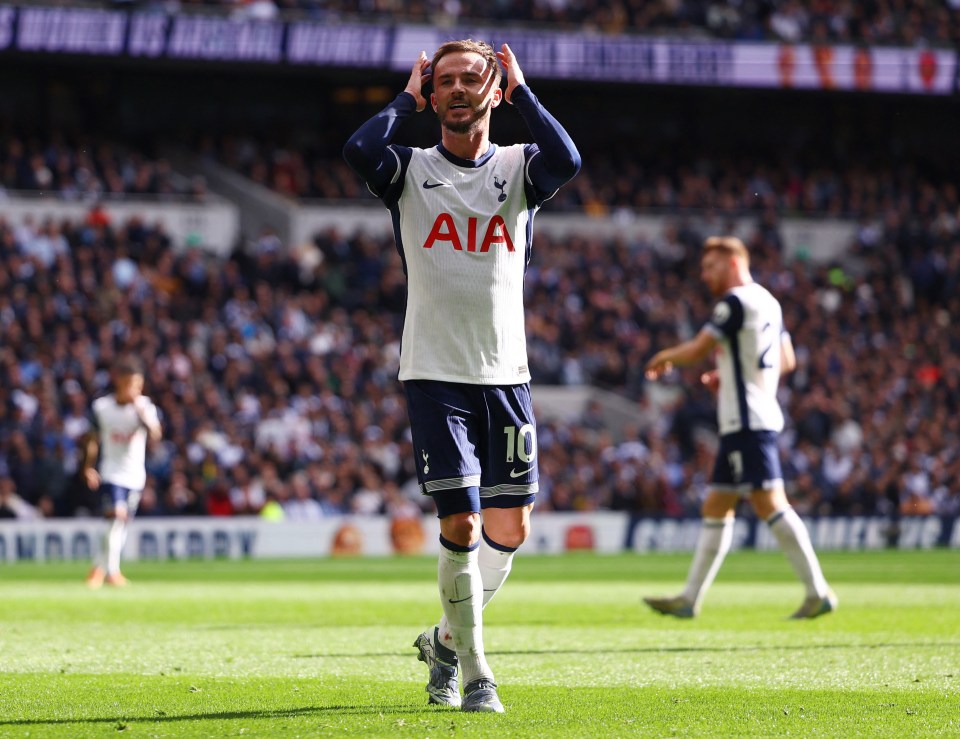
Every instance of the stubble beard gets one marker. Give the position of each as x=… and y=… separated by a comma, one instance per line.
x=473, y=124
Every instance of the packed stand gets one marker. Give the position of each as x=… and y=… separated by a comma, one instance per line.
x=906, y=22
x=88, y=169
x=315, y=171
x=276, y=371
x=636, y=180
x=648, y=181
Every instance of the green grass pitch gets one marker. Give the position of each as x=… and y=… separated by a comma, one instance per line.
x=323, y=648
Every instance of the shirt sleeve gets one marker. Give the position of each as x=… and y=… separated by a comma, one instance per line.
x=152, y=412
x=553, y=159
x=93, y=419
x=727, y=317
x=369, y=153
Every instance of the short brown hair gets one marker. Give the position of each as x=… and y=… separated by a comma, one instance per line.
x=729, y=245
x=469, y=45
x=128, y=364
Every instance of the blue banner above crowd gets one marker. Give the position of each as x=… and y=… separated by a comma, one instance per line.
x=544, y=54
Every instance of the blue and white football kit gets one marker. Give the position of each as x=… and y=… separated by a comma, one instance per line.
x=123, y=450
x=481, y=438
x=748, y=326
x=464, y=232
x=122, y=438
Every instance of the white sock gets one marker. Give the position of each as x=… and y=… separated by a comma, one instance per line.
x=461, y=594
x=794, y=540
x=495, y=562
x=713, y=543
x=115, y=539
x=495, y=565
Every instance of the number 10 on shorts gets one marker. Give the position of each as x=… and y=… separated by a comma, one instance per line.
x=521, y=442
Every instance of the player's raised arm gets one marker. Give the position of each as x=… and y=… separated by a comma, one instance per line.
x=90, y=447
x=558, y=160
x=689, y=352
x=366, y=151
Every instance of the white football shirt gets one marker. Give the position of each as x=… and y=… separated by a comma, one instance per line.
x=748, y=323
x=463, y=229
x=123, y=441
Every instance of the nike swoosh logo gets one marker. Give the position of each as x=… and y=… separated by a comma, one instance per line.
x=427, y=185
x=521, y=473
x=462, y=600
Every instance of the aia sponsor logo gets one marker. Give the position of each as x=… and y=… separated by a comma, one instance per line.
x=445, y=230
x=120, y=437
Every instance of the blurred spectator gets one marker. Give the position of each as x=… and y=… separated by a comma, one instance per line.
x=12, y=505
x=218, y=500
x=85, y=169
x=301, y=506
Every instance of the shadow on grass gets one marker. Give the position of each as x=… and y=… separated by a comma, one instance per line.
x=657, y=650
x=316, y=711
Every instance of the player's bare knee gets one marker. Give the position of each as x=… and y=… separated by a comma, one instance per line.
x=510, y=536
x=462, y=529
x=768, y=502
x=507, y=527
x=719, y=505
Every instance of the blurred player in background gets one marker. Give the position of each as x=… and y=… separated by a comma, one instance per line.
x=753, y=349
x=121, y=424
x=462, y=214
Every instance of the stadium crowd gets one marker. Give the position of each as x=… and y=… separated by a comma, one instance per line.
x=642, y=179
x=905, y=22
x=88, y=169
x=275, y=370
x=631, y=176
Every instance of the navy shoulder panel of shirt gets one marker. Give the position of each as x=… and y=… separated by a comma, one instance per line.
x=369, y=153
x=553, y=160
x=390, y=194
x=727, y=316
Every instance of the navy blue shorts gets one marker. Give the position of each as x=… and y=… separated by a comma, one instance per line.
x=747, y=461
x=480, y=440
x=111, y=495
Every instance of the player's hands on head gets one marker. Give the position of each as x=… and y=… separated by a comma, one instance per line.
x=512, y=69
x=419, y=76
